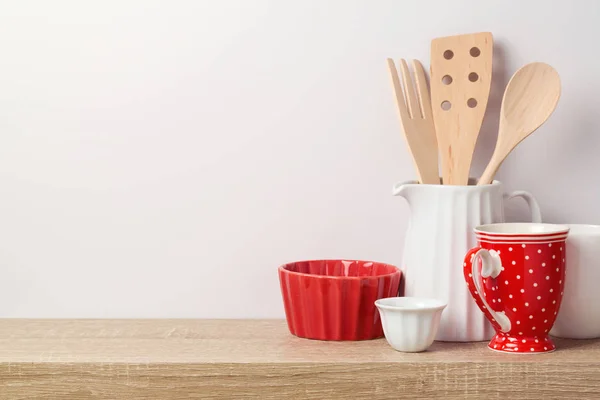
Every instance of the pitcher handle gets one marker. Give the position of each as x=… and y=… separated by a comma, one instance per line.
x=491, y=266
x=534, y=207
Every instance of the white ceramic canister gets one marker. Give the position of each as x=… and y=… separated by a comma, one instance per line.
x=579, y=313
x=439, y=234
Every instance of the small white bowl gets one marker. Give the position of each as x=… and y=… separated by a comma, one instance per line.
x=410, y=324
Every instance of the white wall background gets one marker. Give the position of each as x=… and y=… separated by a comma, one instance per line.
x=163, y=158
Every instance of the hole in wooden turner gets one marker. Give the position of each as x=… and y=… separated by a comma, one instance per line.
x=446, y=105
x=475, y=52
x=446, y=79
x=472, y=103
x=448, y=54
x=473, y=77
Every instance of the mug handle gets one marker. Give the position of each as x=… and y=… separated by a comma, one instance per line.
x=491, y=265
x=534, y=207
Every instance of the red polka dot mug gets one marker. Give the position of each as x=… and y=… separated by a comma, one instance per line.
x=516, y=276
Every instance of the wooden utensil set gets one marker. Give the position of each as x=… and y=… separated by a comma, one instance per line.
x=442, y=129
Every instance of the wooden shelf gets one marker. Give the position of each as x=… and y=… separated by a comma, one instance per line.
x=231, y=359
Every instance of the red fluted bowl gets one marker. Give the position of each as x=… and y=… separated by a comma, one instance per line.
x=335, y=299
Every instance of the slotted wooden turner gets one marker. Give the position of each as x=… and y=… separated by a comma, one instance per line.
x=461, y=74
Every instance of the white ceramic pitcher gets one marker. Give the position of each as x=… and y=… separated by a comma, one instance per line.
x=439, y=234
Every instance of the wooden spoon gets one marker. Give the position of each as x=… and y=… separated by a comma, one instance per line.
x=529, y=99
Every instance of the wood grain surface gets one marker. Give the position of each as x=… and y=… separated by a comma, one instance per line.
x=259, y=359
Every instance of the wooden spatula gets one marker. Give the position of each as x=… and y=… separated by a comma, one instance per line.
x=461, y=74
x=529, y=99
x=414, y=109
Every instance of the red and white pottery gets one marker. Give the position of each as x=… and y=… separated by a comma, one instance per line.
x=439, y=233
x=517, y=276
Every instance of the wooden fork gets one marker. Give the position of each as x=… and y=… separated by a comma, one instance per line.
x=417, y=120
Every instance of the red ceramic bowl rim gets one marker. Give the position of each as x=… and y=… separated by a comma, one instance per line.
x=395, y=271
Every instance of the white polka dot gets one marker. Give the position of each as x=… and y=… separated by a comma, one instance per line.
x=494, y=300
x=531, y=271
x=514, y=309
x=545, y=320
x=513, y=263
x=551, y=290
x=543, y=264
x=557, y=269
x=527, y=257
x=537, y=341
x=547, y=277
x=518, y=322
x=464, y=264
x=561, y=293
x=522, y=290
x=523, y=340
x=560, y=281
x=531, y=317
x=549, y=244
x=539, y=297
x=533, y=329
x=554, y=312
x=523, y=245
x=534, y=284
x=510, y=296
x=563, y=260
x=520, y=333
x=495, y=346
x=498, y=251
x=553, y=301
x=493, y=288
x=518, y=276
x=470, y=275
x=546, y=330
x=532, y=349
x=543, y=310
x=516, y=348
x=499, y=300
x=553, y=257
x=510, y=249
x=506, y=282
x=539, y=251
x=476, y=292
x=545, y=348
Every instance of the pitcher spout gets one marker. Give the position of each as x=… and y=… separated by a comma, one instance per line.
x=403, y=189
